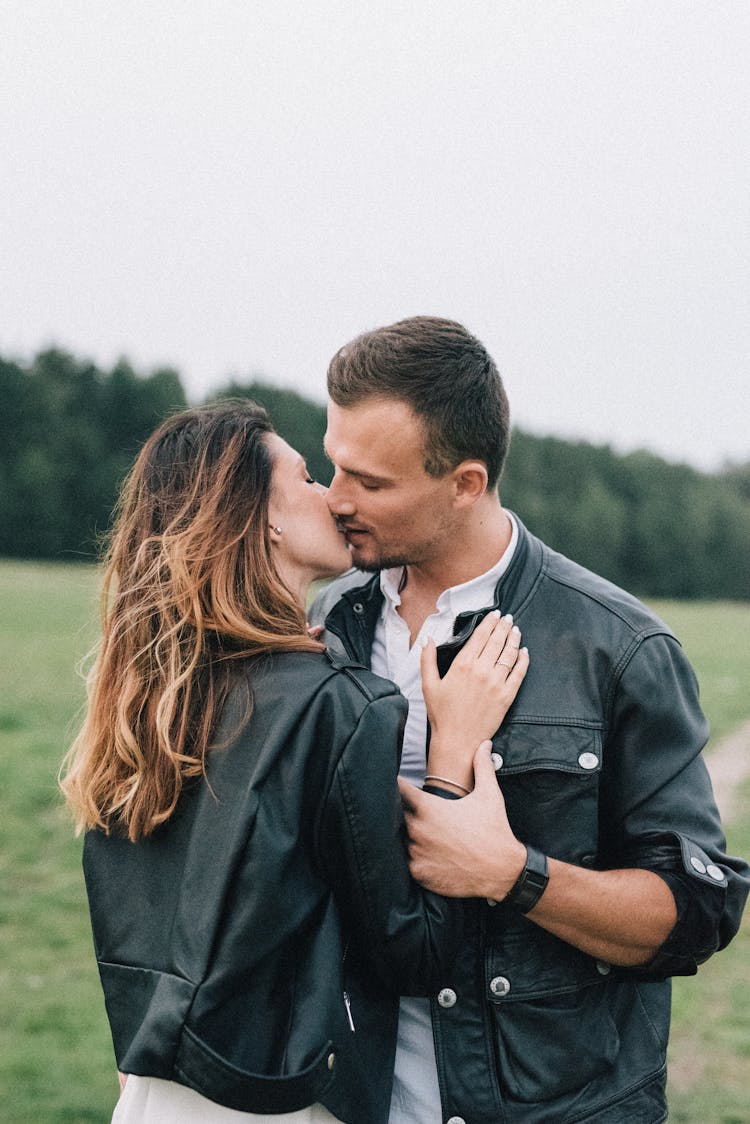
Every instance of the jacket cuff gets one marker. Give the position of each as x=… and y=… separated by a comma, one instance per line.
x=699, y=887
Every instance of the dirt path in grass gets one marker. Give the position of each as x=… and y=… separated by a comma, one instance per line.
x=691, y=1062
x=729, y=765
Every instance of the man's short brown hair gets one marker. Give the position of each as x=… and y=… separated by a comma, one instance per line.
x=447, y=377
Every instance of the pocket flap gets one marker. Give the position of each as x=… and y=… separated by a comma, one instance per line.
x=547, y=745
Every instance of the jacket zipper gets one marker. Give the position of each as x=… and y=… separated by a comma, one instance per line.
x=347, y=1000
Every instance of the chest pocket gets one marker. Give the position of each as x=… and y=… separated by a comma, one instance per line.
x=549, y=775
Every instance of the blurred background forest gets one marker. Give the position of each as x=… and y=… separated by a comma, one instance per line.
x=69, y=432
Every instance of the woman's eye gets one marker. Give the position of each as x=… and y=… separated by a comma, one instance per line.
x=309, y=480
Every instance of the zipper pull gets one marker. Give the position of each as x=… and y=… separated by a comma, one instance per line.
x=348, y=1005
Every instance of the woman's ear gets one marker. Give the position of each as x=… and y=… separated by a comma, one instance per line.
x=470, y=482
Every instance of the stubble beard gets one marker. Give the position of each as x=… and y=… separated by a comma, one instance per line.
x=387, y=561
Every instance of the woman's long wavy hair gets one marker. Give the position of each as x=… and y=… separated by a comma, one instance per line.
x=190, y=590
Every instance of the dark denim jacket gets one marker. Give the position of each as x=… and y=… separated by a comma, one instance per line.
x=600, y=764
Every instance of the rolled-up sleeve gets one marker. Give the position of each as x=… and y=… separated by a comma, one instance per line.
x=658, y=808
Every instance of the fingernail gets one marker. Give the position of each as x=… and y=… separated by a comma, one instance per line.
x=509, y=618
x=486, y=745
x=495, y=613
x=424, y=641
x=516, y=629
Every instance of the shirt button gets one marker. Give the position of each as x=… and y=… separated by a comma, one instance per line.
x=499, y=986
x=588, y=761
x=497, y=761
x=447, y=997
x=715, y=872
x=697, y=865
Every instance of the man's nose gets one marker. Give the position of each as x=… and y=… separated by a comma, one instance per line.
x=338, y=499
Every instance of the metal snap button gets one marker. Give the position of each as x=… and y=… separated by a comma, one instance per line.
x=588, y=760
x=499, y=986
x=696, y=864
x=603, y=968
x=497, y=761
x=331, y=1061
x=447, y=997
x=715, y=872
x=358, y=607
x=455, y=1120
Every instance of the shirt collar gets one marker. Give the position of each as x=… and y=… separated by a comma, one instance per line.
x=468, y=596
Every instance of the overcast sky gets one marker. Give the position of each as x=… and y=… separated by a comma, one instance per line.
x=236, y=188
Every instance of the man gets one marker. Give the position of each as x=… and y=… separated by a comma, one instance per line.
x=591, y=843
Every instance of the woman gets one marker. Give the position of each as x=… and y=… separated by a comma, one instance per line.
x=253, y=915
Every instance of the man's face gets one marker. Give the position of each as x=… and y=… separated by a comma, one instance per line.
x=393, y=513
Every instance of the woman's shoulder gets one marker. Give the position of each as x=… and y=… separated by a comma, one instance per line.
x=301, y=675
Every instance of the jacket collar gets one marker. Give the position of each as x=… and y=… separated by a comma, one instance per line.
x=354, y=617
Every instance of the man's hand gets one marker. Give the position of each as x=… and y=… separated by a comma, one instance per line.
x=463, y=848
x=466, y=849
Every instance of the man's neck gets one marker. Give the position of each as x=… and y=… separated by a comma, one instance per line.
x=479, y=547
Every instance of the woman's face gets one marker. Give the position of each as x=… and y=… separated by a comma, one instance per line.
x=309, y=545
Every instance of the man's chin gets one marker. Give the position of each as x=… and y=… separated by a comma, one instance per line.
x=364, y=562
x=370, y=565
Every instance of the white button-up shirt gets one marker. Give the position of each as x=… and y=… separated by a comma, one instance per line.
x=416, y=1095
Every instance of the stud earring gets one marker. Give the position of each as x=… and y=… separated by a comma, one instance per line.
x=276, y=529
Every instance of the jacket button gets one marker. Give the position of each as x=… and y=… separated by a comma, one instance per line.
x=497, y=761
x=358, y=607
x=331, y=1061
x=715, y=872
x=603, y=968
x=697, y=864
x=499, y=986
x=447, y=997
x=456, y=1120
x=588, y=761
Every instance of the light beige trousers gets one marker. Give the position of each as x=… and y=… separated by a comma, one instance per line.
x=148, y=1100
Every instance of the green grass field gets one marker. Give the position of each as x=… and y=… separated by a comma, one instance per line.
x=56, y=1065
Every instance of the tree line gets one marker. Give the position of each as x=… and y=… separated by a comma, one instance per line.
x=70, y=430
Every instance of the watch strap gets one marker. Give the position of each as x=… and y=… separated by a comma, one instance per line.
x=531, y=882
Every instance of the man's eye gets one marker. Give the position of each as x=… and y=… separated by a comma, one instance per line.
x=369, y=487
x=309, y=480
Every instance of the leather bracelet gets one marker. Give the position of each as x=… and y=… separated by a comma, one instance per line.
x=530, y=884
x=447, y=780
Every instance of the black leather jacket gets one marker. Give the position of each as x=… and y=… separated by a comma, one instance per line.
x=599, y=762
x=219, y=938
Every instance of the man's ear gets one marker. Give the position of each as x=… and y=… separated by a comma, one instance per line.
x=470, y=482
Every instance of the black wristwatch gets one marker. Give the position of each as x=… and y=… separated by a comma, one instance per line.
x=530, y=884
